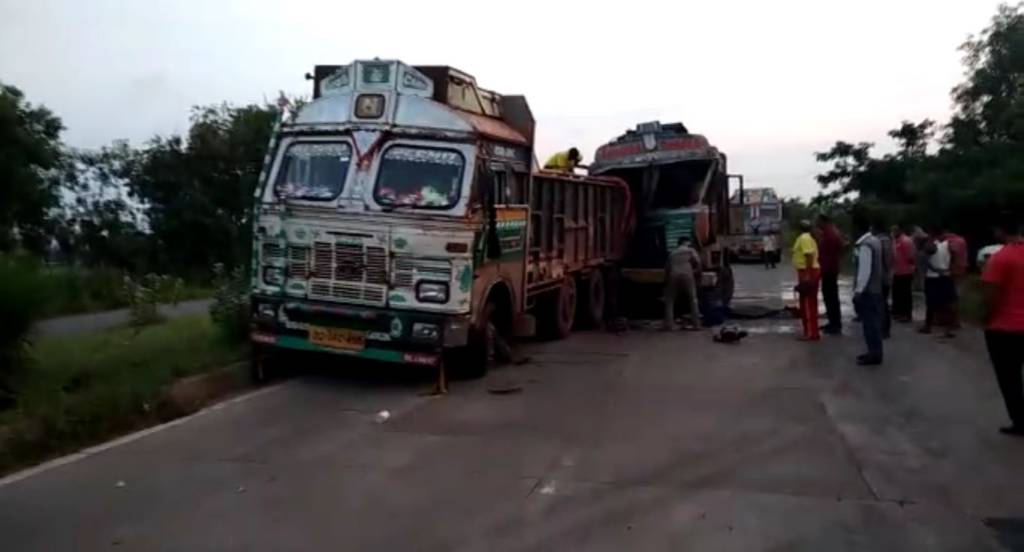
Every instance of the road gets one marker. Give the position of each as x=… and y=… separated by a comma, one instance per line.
x=644, y=441
x=96, y=321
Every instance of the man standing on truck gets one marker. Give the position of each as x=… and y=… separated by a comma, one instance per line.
x=681, y=271
x=564, y=161
x=830, y=245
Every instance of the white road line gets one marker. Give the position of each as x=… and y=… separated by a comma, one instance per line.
x=87, y=452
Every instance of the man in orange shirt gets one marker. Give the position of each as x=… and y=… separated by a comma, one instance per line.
x=1003, y=281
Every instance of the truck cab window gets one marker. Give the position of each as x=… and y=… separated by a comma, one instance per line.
x=313, y=171
x=419, y=177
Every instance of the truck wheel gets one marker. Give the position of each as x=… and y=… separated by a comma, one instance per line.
x=593, y=301
x=726, y=285
x=559, y=311
x=261, y=364
x=473, y=360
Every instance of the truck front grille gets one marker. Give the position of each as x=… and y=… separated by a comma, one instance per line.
x=349, y=272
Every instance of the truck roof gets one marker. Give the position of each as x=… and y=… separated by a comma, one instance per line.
x=653, y=143
x=392, y=93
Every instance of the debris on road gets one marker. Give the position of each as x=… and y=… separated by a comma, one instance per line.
x=119, y=484
x=382, y=416
x=729, y=335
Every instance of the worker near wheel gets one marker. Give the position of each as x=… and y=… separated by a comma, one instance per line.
x=564, y=161
x=681, y=271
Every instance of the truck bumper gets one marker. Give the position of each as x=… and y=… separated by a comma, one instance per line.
x=379, y=334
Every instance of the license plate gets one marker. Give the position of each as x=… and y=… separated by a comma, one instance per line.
x=337, y=338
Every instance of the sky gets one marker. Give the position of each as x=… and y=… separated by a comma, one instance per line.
x=769, y=83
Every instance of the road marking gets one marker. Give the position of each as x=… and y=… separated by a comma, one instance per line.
x=87, y=452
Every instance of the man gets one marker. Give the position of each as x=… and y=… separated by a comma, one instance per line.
x=938, y=284
x=867, y=294
x=1003, y=282
x=887, y=261
x=904, y=268
x=958, y=265
x=681, y=270
x=768, y=247
x=564, y=161
x=830, y=246
x=808, y=274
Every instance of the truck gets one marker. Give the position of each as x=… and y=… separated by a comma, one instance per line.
x=680, y=187
x=754, y=214
x=400, y=217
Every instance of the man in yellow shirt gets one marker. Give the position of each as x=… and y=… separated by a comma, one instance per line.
x=564, y=161
x=808, y=273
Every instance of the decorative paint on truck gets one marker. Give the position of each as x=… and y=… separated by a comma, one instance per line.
x=394, y=215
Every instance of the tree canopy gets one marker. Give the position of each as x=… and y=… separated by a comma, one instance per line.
x=29, y=149
x=977, y=166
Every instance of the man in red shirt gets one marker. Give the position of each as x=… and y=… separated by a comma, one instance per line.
x=904, y=267
x=830, y=252
x=1004, y=321
x=958, y=265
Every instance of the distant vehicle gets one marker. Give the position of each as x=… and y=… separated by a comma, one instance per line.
x=754, y=213
x=679, y=185
x=399, y=219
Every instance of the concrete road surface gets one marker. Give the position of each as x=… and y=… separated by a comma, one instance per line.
x=645, y=441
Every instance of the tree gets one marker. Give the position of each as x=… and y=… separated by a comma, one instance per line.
x=199, y=191
x=29, y=149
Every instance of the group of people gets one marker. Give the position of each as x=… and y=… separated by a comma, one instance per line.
x=888, y=261
x=887, y=264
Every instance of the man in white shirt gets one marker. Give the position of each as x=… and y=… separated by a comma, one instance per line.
x=939, y=289
x=769, y=249
x=867, y=295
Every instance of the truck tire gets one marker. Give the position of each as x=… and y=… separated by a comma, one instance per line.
x=558, y=312
x=726, y=285
x=473, y=360
x=593, y=301
x=262, y=364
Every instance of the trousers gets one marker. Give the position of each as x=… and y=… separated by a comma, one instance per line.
x=830, y=294
x=676, y=285
x=1007, y=354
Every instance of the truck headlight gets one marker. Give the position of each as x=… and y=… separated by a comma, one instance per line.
x=432, y=292
x=273, y=275
x=426, y=331
x=266, y=311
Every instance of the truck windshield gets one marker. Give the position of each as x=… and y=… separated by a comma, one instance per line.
x=314, y=171
x=419, y=177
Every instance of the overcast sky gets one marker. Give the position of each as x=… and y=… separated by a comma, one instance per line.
x=769, y=82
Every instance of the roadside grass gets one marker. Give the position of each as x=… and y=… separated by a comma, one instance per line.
x=76, y=290
x=78, y=390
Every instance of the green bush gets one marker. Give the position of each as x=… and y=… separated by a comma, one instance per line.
x=230, y=308
x=22, y=301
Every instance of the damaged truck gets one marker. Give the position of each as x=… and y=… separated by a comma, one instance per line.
x=400, y=218
x=680, y=187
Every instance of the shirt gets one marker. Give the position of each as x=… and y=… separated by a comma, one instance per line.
x=938, y=262
x=560, y=162
x=1005, y=271
x=768, y=242
x=958, y=254
x=831, y=246
x=887, y=257
x=904, y=254
x=870, y=267
x=682, y=260
x=805, y=245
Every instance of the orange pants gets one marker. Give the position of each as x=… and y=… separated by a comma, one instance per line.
x=809, y=303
